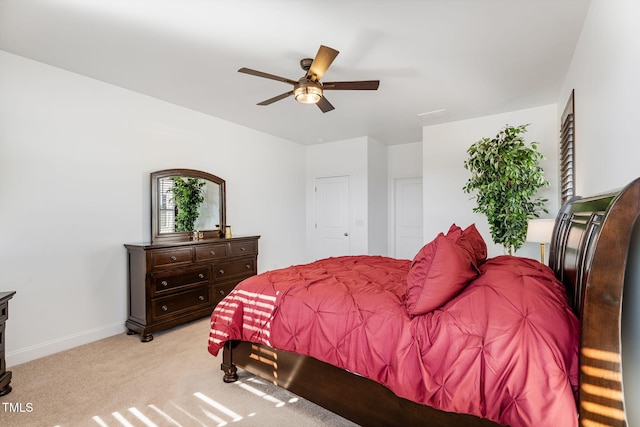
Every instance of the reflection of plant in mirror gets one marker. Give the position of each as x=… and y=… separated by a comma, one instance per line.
x=187, y=195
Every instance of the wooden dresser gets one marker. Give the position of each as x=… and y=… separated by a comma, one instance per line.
x=173, y=283
x=5, y=376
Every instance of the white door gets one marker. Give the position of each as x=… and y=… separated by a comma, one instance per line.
x=408, y=217
x=332, y=217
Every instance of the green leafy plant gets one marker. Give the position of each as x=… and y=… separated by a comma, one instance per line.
x=505, y=177
x=187, y=195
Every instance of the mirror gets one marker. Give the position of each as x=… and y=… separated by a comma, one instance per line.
x=185, y=200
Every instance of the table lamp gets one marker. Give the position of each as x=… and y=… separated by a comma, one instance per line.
x=540, y=231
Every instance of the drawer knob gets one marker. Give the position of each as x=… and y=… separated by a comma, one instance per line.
x=173, y=258
x=221, y=292
x=201, y=276
x=164, y=283
x=164, y=308
x=243, y=248
x=248, y=266
x=201, y=298
x=221, y=271
x=212, y=252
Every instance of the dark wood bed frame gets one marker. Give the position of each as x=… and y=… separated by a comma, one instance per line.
x=590, y=253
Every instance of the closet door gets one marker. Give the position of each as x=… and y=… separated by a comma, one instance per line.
x=332, y=233
x=407, y=217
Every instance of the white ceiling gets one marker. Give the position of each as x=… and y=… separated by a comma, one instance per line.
x=469, y=57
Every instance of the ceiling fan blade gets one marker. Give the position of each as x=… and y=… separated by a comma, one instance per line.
x=275, y=98
x=359, y=85
x=321, y=62
x=266, y=75
x=324, y=105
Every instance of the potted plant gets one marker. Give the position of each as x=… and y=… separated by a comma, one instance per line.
x=505, y=178
x=187, y=196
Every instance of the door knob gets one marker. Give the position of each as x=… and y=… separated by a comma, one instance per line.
x=346, y=234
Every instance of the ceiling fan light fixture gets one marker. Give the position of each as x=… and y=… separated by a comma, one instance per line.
x=307, y=93
x=308, y=89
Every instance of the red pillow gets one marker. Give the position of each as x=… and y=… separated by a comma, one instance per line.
x=438, y=272
x=471, y=240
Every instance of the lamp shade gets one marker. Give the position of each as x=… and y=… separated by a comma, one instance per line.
x=540, y=230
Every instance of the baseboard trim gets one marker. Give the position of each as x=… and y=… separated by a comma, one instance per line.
x=47, y=348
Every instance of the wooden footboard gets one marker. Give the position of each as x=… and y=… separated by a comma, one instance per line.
x=351, y=396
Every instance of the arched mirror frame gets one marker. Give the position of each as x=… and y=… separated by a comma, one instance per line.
x=183, y=236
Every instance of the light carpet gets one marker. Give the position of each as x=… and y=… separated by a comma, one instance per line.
x=170, y=381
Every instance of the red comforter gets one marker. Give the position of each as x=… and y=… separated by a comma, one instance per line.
x=505, y=348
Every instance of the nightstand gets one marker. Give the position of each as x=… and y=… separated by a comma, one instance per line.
x=5, y=376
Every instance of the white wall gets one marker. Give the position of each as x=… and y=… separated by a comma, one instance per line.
x=404, y=160
x=377, y=197
x=444, y=152
x=605, y=72
x=75, y=158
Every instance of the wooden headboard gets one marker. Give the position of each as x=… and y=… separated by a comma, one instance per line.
x=589, y=253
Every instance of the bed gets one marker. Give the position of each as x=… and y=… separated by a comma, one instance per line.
x=508, y=341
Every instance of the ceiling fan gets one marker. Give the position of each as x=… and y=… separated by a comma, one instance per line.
x=309, y=89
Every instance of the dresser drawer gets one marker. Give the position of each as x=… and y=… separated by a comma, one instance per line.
x=248, y=247
x=183, y=301
x=170, y=280
x=211, y=252
x=170, y=258
x=236, y=268
x=221, y=291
